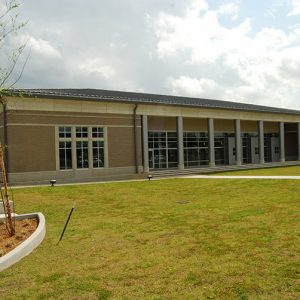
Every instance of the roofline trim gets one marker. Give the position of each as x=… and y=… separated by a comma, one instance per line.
x=146, y=101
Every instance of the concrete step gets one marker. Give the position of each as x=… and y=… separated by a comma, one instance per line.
x=205, y=170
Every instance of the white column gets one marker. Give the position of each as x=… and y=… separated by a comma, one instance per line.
x=281, y=141
x=106, y=159
x=238, y=144
x=57, y=148
x=211, y=142
x=180, y=143
x=261, y=142
x=74, y=156
x=90, y=145
x=145, y=143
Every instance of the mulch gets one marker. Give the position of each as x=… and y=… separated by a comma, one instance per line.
x=24, y=229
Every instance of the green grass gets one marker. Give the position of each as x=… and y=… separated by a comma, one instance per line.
x=279, y=171
x=168, y=239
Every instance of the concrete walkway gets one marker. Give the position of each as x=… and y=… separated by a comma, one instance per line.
x=242, y=177
x=160, y=178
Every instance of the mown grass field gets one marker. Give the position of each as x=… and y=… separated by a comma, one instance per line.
x=168, y=239
x=280, y=171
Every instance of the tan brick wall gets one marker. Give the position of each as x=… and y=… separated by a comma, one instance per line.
x=252, y=126
x=56, y=118
x=31, y=148
x=32, y=138
x=193, y=124
x=162, y=123
x=200, y=124
x=271, y=127
x=224, y=125
x=121, y=147
x=249, y=126
x=291, y=146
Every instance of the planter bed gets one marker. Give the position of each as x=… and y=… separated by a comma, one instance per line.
x=30, y=232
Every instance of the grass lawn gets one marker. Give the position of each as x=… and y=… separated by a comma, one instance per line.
x=168, y=239
x=280, y=171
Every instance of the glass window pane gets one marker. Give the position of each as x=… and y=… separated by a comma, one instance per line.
x=98, y=154
x=82, y=155
x=64, y=132
x=65, y=155
x=81, y=132
x=97, y=132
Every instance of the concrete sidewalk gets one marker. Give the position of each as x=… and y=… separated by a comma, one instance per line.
x=241, y=177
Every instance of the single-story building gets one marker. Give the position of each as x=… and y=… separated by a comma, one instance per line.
x=87, y=134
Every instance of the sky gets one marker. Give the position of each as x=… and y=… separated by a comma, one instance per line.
x=242, y=51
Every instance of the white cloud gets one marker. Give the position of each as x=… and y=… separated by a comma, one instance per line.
x=197, y=7
x=41, y=47
x=178, y=47
x=229, y=9
x=256, y=61
x=296, y=8
x=187, y=86
x=96, y=65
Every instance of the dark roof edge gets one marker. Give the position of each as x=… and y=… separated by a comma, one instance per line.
x=54, y=94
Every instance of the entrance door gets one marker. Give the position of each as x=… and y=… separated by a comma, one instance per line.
x=231, y=150
x=247, y=159
x=275, y=149
x=254, y=150
x=160, y=159
x=151, y=159
x=157, y=159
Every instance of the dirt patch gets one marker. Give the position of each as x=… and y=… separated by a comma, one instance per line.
x=24, y=229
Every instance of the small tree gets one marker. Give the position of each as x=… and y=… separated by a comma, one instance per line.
x=9, y=26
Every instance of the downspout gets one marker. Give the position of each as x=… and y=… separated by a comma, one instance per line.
x=135, y=140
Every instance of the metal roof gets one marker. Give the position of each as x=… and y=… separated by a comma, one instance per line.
x=143, y=98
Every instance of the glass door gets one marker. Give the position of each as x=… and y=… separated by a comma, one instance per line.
x=160, y=158
x=151, y=159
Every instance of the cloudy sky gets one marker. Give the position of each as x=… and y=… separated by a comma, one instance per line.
x=245, y=51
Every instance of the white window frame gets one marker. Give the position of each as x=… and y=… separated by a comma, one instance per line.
x=73, y=139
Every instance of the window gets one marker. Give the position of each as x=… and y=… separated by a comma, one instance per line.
x=82, y=147
x=97, y=132
x=65, y=147
x=195, y=148
x=98, y=154
x=81, y=141
x=162, y=149
x=65, y=155
x=219, y=148
x=64, y=132
x=82, y=154
x=81, y=132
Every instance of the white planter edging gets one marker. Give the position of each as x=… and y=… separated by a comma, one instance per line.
x=28, y=245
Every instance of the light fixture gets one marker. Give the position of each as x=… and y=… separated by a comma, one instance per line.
x=52, y=182
x=150, y=177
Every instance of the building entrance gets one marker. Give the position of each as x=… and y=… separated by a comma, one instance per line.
x=162, y=149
